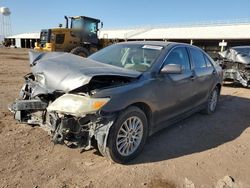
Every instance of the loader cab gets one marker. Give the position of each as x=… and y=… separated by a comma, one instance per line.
x=79, y=36
x=87, y=27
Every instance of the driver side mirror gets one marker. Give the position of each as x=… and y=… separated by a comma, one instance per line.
x=172, y=69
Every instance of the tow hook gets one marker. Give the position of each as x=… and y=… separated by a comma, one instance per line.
x=58, y=138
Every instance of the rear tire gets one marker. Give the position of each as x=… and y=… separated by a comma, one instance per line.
x=212, y=101
x=80, y=51
x=127, y=136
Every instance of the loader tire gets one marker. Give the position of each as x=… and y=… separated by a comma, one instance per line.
x=80, y=51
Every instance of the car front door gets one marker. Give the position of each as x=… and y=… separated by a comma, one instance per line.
x=175, y=91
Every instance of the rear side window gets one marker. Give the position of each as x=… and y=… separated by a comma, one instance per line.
x=208, y=62
x=198, y=58
x=179, y=56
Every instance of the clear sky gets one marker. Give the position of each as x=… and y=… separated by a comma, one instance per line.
x=33, y=15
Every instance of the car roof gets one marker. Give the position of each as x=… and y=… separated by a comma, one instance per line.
x=158, y=43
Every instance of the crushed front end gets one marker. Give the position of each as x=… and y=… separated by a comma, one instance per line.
x=235, y=63
x=71, y=119
x=58, y=96
x=237, y=72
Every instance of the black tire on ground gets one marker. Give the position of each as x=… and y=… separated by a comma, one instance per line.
x=212, y=101
x=81, y=51
x=136, y=117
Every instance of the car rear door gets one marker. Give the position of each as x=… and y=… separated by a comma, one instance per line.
x=203, y=75
x=175, y=91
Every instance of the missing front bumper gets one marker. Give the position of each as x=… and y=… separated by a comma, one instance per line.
x=28, y=111
x=79, y=131
x=20, y=105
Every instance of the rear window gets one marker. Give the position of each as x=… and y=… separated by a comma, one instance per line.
x=198, y=58
x=208, y=62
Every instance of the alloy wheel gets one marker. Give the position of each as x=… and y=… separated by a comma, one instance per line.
x=129, y=136
x=213, y=100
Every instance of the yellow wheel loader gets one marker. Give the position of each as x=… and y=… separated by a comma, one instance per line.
x=80, y=37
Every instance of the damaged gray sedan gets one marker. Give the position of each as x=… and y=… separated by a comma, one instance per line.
x=236, y=65
x=117, y=97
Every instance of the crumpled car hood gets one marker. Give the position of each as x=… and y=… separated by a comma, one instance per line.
x=66, y=72
x=233, y=55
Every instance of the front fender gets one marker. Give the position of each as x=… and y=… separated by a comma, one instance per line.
x=123, y=96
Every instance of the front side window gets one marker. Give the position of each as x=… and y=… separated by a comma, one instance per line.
x=129, y=56
x=178, y=56
x=198, y=58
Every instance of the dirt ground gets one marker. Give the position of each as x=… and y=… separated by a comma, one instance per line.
x=198, y=151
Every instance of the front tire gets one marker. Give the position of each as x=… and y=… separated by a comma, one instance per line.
x=80, y=51
x=127, y=136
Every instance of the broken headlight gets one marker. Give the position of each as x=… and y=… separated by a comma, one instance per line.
x=40, y=78
x=77, y=105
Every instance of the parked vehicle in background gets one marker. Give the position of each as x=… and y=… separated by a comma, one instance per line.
x=236, y=65
x=117, y=97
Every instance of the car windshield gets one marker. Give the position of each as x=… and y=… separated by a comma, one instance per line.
x=245, y=51
x=137, y=57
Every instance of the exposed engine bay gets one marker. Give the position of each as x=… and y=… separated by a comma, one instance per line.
x=59, y=96
x=236, y=65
